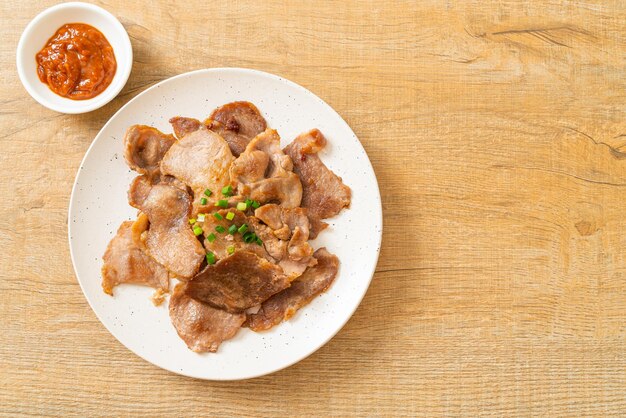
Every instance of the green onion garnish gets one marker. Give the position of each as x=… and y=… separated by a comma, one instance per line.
x=243, y=228
x=232, y=229
x=230, y=249
x=203, y=201
x=228, y=190
x=220, y=229
x=230, y=216
x=222, y=203
x=208, y=193
x=211, y=237
x=197, y=230
x=210, y=258
x=249, y=237
x=218, y=216
x=258, y=241
x=252, y=203
x=201, y=217
x=242, y=206
x=192, y=221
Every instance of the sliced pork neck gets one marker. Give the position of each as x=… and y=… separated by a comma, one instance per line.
x=238, y=282
x=201, y=160
x=167, y=237
x=284, y=234
x=183, y=126
x=323, y=192
x=290, y=227
x=304, y=289
x=264, y=173
x=125, y=262
x=220, y=242
x=224, y=191
x=144, y=147
x=202, y=327
x=237, y=123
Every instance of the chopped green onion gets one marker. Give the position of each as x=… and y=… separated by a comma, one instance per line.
x=192, y=221
x=230, y=249
x=201, y=217
x=220, y=229
x=242, y=206
x=252, y=203
x=243, y=228
x=197, y=230
x=218, y=216
x=232, y=229
x=230, y=216
x=203, y=201
x=211, y=237
x=249, y=237
x=208, y=193
x=228, y=190
x=258, y=241
x=222, y=203
x=210, y=258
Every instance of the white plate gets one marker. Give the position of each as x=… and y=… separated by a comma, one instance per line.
x=98, y=205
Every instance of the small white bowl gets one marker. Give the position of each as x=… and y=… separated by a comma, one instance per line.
x=42, y=27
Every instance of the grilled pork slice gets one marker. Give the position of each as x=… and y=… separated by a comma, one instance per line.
x=200, y=160
x=144, y=147
x=238, y=282
x=167, y=236
x=285, y=304
x=264, y=173
x=125, y=262
x=141, y=185
x=219, y=243
x=184, y=126
x=323, y=192
x=283, y=233
x=237, y=123
x=291, y=227
x=201, y=326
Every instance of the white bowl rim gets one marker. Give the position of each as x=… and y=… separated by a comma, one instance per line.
x=109, y=93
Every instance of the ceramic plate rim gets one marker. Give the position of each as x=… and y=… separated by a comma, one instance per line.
x=309, y=349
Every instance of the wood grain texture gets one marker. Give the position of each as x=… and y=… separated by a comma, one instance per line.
x=498, y=134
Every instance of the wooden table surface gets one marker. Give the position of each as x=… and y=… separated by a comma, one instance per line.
x=498, y=135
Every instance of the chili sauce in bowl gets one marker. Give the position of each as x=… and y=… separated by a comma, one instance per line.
x=78, y=62
x=74, y=57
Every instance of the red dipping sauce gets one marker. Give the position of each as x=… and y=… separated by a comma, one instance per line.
x=77, y=62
